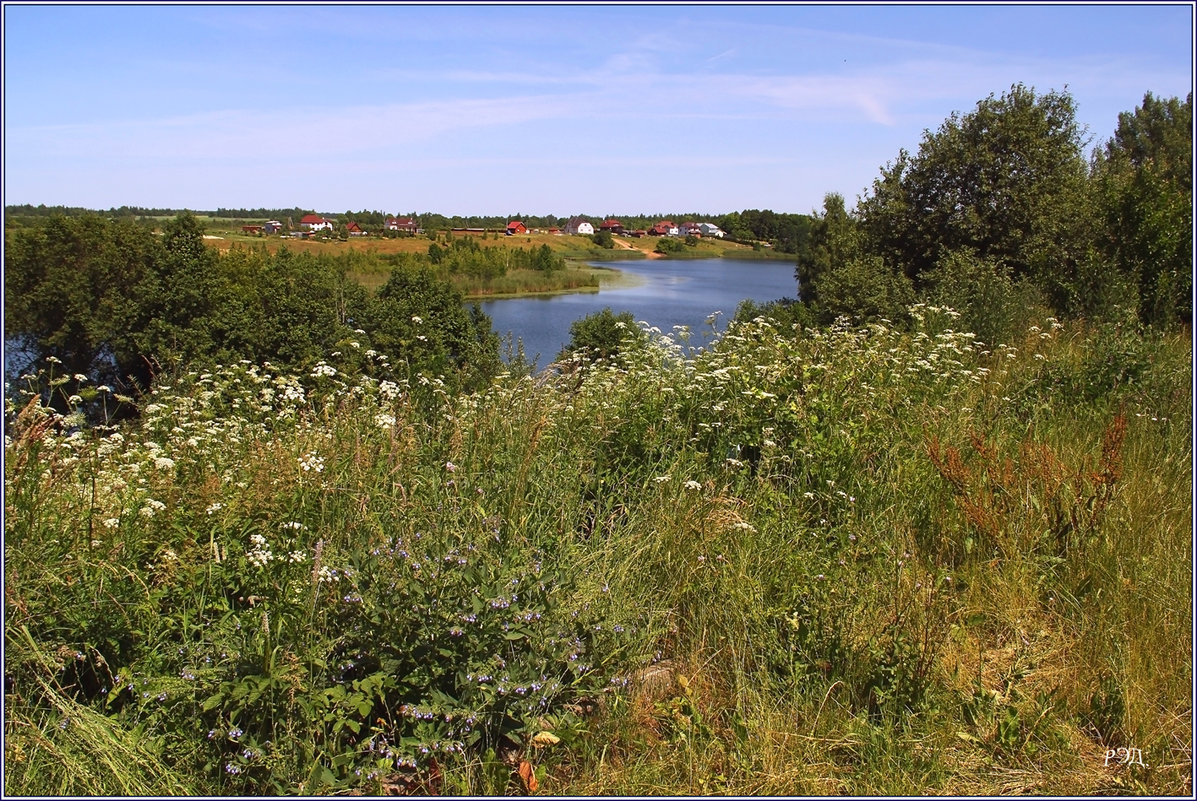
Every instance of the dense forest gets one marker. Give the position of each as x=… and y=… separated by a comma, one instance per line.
x=926, y=529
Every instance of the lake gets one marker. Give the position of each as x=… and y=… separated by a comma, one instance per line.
x=669, y=293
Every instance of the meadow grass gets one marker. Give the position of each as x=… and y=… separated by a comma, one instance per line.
x=854, y=560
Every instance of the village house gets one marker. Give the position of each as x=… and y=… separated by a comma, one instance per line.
x=516, y=227
x=579, y=225
x=710, y=229
x=354, y=229
x=613, y=226
x=315, y=222
x=663, y=228
x=272, y=227
x=689, y=229
x=406, y=224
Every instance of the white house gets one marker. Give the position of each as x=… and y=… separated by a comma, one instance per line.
x=710, y=229
x=579, y=225
x=315, y=222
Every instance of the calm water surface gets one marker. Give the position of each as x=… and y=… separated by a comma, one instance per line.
x=671, y=293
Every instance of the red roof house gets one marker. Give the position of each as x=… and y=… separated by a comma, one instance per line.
x=516, y=227
x=315, y=222
x=402, y=224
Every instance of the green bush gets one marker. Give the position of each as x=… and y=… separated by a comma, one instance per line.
x=601, y=335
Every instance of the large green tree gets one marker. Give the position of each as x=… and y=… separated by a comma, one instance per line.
x=180, y=302
x=834, y=238
x=1005, y=182
x=72, y=290
x=423, y=320
x=1143, y=181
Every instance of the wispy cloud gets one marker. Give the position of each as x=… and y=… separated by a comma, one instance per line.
x=295, y=133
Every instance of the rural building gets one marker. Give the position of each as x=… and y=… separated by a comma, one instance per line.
x=663, y=228
x=710, y=229
x=516, y=227
x=402, y=224
x=689, y=229
x=354, y=229
x=614, y=226
x=315, y=222
x=251, y=229
x=579, y=225
x=272, y=227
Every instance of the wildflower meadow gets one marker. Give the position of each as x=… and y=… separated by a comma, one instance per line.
x=865, y=560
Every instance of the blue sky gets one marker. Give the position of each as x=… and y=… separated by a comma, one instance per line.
x=538, y=108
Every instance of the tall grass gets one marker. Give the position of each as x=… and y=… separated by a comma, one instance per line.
x=848, y=561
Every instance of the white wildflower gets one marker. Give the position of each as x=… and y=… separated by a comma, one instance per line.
x=312, y=463
x=151, y=508
x=323, y=369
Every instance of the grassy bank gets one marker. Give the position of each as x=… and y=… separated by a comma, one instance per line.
x=855, y=561
x=516, y=283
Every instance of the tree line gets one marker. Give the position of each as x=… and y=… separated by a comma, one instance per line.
x=784, y=231
x=113, y=301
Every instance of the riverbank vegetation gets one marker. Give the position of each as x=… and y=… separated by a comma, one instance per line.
x=926, y=531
